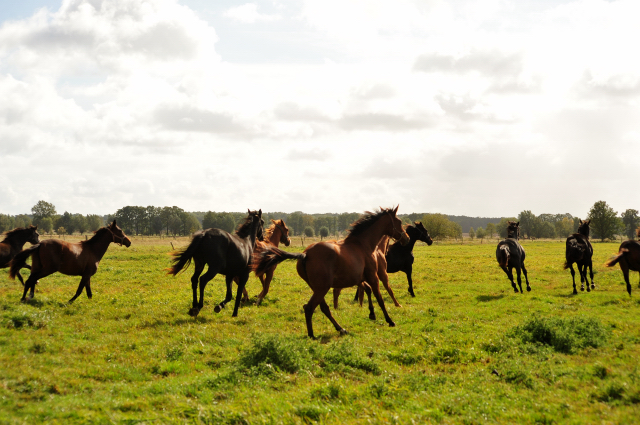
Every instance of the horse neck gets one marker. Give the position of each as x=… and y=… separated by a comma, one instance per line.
x=413, y=237
x=371, y=238
x=100, y=242
x=274, y=239
x=17, y=240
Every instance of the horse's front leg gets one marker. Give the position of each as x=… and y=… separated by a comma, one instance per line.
x=372, y=280
x=31, y=282
x=526, y=278
x=242, y=281
x=266, y=283
x=228, y=296
x=83, y=283
x=408, y=272
x=194, y=287
x=593, y=285
x=582, y=269
x=367, y=290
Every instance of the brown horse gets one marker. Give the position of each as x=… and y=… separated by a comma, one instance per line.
x=510, y=254
x=73, y=259
x=341, y=264
x=276, y=234
x=629, y=259
x=580, y=251
x=14, y=241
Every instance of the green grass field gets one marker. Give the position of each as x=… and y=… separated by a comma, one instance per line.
x=465, y=350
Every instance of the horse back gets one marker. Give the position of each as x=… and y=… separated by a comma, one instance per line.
x=340, y=264
x=64, y=257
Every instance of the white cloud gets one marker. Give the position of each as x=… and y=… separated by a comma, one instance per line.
x=248, y=14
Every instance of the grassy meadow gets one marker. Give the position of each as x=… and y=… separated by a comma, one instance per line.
x=465, y=350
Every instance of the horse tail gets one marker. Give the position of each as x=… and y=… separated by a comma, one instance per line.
x=182, y=259
x=616, y=258
x=503, y=255
x=20, y=260
x=271, y=257
x=574, y=252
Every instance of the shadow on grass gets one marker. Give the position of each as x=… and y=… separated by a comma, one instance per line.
x=487, y=298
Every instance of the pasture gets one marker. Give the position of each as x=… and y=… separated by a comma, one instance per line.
x=465, y=350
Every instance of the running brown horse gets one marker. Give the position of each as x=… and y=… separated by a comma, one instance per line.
x=13, y=242
x=276, y=234
x=341, y=264
x=73, y=259
x=629, y=259
x=580, y=251
x=510, y=254
x=227, y=254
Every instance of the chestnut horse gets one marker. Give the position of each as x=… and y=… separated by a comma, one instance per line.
x=629, y=259
x=74, y=259
x=276, y=234
x=341, y=264
x=510, y=254
x=580, y=251
x=13, y=242
x=225, y=253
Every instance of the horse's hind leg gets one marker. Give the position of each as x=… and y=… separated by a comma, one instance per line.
x=509, y=272
x=31, y=282
x=327, y=312
x=625, y=272
x=367, y=290
x=375, y=287
x=573, y=276
x=309, y=308
x=266, y=283
x=83, y=283
x=385, y=282
x=242, y=282
x=408, y=272
x=194, y=310
x=582, y=269
x=204, y=279
x=518, y=271
x=526, y=278
x=593, y=285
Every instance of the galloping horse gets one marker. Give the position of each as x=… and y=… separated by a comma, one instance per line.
x=341, y=264
x=580, y=251
x=277, y=233
x=225, y=253
x=14, y=241
x=74, y=259
x=510, y=254
x=629, y=259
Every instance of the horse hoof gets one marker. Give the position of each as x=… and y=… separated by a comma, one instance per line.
x=343, y=331
x=412, y=294
x=593, y=286
x=217, y=308
x=392, y=324
x=194, y=312
x=575, y=292
x=372, y=316
x=582, y=288
x=528, y=288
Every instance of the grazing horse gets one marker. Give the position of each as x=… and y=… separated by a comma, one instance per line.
x=580, y=251
x=398, y=258
x=510, y=254
x=73, y=259
x=276, y=234
x=341, y=264
x=225, y=253
x=629, y=259
x=14, y=241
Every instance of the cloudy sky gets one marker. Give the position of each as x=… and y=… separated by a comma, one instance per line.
x=479, y=107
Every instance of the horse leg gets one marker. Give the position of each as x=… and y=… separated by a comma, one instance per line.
x=336, y=295
x=518, y=271
x=324, y=307
x=509, y=273
x=408, y=272
x=88, y=288
x=242, y=282
x=593, y=285
x=375, y=287
x=367, y=290
x=573, y=276
x=229, y=295
x=309, y=308
x=266, y=282
x=583, y=272
x=385, y=282
x=526, y=278
x=625, y=272
x=30, y=282
x=204, y=279
x=83, y=283
x=194, y=287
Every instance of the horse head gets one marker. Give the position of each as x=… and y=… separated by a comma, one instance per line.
x=397, y=231
x=583, y=228
x=256, y=219
x=118, y=235
x=34, y=236
x=423, y=234
x=284, y=232
x=513, y=229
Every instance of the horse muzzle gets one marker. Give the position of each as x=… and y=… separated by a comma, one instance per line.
x=287, y=242
x=126, y=241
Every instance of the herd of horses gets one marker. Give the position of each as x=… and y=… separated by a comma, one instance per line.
x=362, y=259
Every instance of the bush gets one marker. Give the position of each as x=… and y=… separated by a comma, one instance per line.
x=345, y=354
x=564, y=335
x=285, y=354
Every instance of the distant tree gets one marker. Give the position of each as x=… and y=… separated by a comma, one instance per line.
x=564, y=228
x=42, y=209
x=80, y=223
x=224, y=221
x=94, y=222
x=631, y=222
x=61, y=231
x=438, y=225
x=6, y=223
x=604, y=221
x=66, y=221
x=472, y=233
x=22, y=220
x=491, y=229
x=308, y=231
x=190, y=223
x=547, y=230
x=481, y=234
x=454, y=230
x=502, y=226
x=527, y=223
x=324, y=232
x=46, y=225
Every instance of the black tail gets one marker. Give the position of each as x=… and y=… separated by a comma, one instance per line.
x=182, y=259
x=271, y=257
x=574, y=252
x=20, y=260
x=614, y=260
x=503, y=255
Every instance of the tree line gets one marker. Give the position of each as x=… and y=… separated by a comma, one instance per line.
x=150, y=220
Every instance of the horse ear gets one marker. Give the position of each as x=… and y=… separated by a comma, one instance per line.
x=113, y=225
x=273, y=221
x=248, y=210
x=395, y=211
x=518, y=224
x=260, y=212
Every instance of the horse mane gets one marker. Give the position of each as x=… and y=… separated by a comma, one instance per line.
x=96, y=233
x=244, y=228
x=366, y=221
x=11, y=233
x=269, y=231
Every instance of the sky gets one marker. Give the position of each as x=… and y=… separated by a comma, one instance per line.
x=478, y=108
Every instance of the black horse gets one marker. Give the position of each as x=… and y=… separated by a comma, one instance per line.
x=225, y=253
x=580, y=251
x=399, y=258
x=13, y=242
x=629, y=259
x=510, y=254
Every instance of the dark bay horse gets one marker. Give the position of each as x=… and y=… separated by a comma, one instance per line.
x=13, y=242
x=341, y=264
x=510, y=254
x=276, y=234
x=580, y=251
x=629, y=259
x=224, y=253
x=74, y=259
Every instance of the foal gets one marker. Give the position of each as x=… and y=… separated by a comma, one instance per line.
x=13, y=242
x=510, y=254
x=580, y=251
